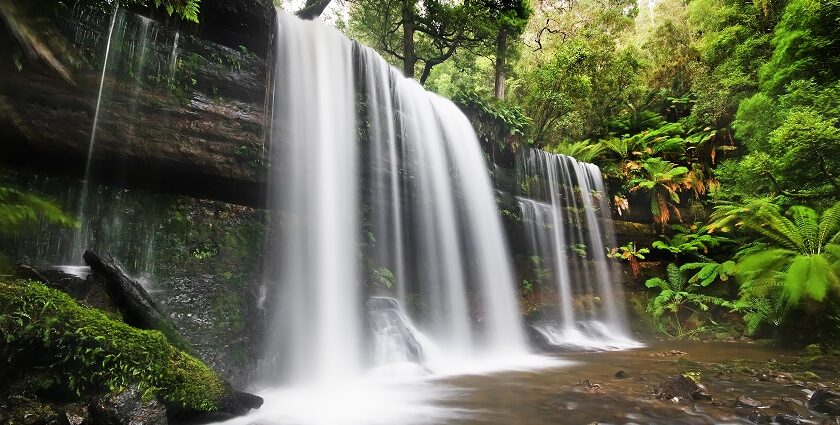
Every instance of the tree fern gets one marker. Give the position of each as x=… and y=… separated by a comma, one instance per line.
x=829, y=227
x=17, y=207
x=801, y=261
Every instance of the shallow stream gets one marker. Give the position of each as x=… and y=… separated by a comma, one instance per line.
x=570, y=388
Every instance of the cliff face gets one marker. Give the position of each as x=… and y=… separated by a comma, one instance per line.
x=182, y=111
x=182, y=107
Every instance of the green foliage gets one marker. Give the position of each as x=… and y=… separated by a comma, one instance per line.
x=510, y=118
x=422, y=35
x=678, y=295
x=383, y=276
x=91, y=352
x=662, y=179
x=583, y=150
x=18, y=207
x=631, y=255
x=805, y=45
x=685, y=243
x=572, y=93
x=709, y=272
x=800, y=260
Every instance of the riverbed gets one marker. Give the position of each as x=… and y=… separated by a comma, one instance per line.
x=611, y=387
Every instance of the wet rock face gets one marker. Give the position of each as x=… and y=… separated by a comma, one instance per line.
x=127, y=408
x=190, y=121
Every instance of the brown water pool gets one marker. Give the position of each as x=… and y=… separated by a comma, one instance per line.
x=589, y=392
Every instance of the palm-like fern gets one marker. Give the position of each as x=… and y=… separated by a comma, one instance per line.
x=18, y=207
x=663, y=179
x=694, y=245
x=584, y=150
x=802, y=256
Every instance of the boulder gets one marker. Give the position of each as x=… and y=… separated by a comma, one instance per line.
x=127, y=408
x=825, y=401
x=682, y=389
x=789, y=406
x=788, y=420
x=77, y=414
x=394, y=341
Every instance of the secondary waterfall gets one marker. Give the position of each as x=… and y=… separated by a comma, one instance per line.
x=568, y=228
x=378, y=188
x=128, y=50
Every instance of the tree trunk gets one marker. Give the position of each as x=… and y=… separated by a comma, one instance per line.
x=501, y=52
x=138, y=307
x=312, y=9
x=409, y=56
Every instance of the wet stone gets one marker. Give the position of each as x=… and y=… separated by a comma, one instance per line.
x=681, y=389
x=758, y=417
x=825, y=401
x=749, y=403
x=789, y=406
x=127, y=408
x=76, y=414
x=788, y=420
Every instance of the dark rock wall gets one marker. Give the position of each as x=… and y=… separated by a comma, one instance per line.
x=189, y=120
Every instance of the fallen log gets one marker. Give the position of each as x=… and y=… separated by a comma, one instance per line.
x=136, y=305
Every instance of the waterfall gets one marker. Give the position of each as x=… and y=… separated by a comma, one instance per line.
x=129, y=54
x=379, y=191
x=568, y=227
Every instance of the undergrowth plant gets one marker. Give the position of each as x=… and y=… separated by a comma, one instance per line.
x=679, y=295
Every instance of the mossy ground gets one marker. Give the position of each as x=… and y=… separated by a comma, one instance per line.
x=88, y=352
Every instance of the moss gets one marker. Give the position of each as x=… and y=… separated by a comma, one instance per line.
x=228, y=310
x=94, y=353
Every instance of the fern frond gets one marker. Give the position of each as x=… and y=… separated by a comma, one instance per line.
x=676, y=278
x=806, y=277
x=829, y=227
x=807, y=225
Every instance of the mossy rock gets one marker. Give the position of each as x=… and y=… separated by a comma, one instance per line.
x=93, y=354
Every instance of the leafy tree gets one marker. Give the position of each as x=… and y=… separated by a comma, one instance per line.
x=508, y=23
x=422, y=35
x=806, y=45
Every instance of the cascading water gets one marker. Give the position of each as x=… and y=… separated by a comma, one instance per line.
x=377, y=188
x=128, y=51
x=569, y=228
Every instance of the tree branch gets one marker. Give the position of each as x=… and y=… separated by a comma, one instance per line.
x=546, y=28
x=312, y=9
x=428, y=64
x=792, y=194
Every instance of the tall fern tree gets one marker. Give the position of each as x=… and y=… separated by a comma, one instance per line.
x=663, y=180
x=801, y=262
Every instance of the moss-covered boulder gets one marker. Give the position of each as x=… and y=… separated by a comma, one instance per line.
x=90, y=354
